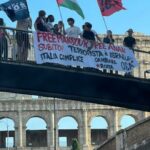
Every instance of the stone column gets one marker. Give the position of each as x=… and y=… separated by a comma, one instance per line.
x=83, y=132
x=20, y=137
x=112, y=124
x=89, y=136
x=56, y=137
x=51, y=131
x=117, y=125
x=24, y=136
x=48, y=137
x=20, y=133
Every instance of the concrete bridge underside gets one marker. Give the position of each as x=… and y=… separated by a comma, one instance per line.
x=77, y=84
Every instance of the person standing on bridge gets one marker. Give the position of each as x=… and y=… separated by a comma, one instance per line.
x=40, y=23
x=56, y=30
x=49, y=23
x=3, y=41
x=129, y=41
x=72, y=31
x=22, y=37
x=109, y=38
x=61, y=28
x=88, y=34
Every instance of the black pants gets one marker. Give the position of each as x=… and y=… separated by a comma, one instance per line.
x=3, y=48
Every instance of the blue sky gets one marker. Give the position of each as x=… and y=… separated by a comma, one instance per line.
x=136, y=15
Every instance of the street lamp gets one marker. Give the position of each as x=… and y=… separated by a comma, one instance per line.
x=7, y=126
x=55, y=130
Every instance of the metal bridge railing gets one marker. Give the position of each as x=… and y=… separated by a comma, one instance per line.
x=17, y=45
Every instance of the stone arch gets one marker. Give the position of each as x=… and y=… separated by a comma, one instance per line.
x=99, y=129
x=137, y=115
x=102, y=117
x=36, y=136
x=70, y=114
x=7, y=132
x=29, y=116
x=68, y=133
x=11, y=116
x=40, y=119
x=134, y=116
x=127, y=120
x=105, y=117
x=98, y=114
x=129, y=114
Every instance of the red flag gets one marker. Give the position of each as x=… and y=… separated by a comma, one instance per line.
x=108, y=7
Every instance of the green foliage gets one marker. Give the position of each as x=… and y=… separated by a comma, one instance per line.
x=75, y=144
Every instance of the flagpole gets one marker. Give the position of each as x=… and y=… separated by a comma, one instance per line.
x=61, y=17
x=104, y=22
x=60, y=12
x=102, y=16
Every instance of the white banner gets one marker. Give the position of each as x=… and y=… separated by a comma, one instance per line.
x=59, y=49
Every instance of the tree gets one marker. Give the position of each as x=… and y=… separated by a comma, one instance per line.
x=75, y=144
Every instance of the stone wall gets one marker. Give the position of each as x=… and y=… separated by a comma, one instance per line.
x=135, y=137
x=21, y=111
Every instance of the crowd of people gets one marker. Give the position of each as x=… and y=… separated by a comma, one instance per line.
x=45, y=23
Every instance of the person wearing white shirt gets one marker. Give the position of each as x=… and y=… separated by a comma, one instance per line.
x=72, y=31
x=49, y=23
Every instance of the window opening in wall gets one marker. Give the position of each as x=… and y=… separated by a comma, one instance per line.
x=9, y=142
x=63, y=141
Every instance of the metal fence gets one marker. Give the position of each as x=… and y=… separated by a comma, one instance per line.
x=17, y=45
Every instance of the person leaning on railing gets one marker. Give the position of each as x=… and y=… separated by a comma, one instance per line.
x=129, y=42
x=72, y=31
x=22, y=37
x=108, y=39
x=61, y=28
x=40, y=22
x=49, y=23
x=3, y=42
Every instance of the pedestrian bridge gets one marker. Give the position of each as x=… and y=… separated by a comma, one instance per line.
x=87, y=85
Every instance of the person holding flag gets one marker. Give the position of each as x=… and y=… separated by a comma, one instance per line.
x=108, y=39
x=61, y=28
